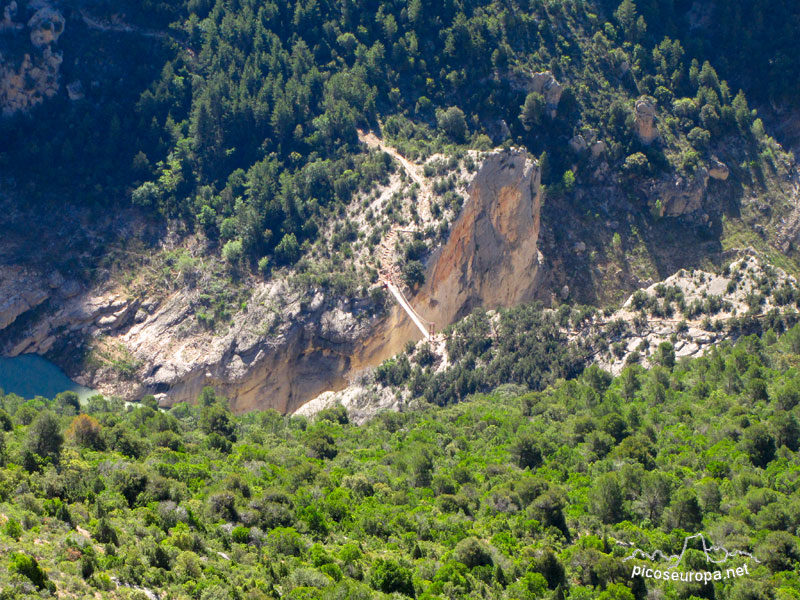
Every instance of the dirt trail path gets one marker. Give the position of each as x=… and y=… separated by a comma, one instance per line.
x=414, y=171
x=385, y=251
x=118, y=26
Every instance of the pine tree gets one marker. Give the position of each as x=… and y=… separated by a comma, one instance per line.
x=282, y=120
x=532, y=110
x=708, y=76
x=741, y=111
x=44, y=436
x=626, y=16
x=203, y=128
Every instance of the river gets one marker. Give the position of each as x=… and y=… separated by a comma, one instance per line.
x=31, y=375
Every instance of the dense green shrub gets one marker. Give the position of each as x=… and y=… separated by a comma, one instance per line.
x=44, y=436
x=27, y=566
x=389, y=577
x=473, y=553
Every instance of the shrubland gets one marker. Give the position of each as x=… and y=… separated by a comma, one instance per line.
x=507, y=494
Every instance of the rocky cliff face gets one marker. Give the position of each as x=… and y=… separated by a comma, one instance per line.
x=20, y=291
x=681, y=195
x=729, y=293
x=491, y=258
x=29, y=79
x=266, y=360
x=634, y=333
x=291, y=344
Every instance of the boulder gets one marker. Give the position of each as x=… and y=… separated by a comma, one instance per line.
x=598, y=149
x=9, y=14
x=55, y=280
x=545, y=84
x=75, y=90
x=718, y=170
x=680, y=195
x=578, y=144
x=107, y=322
x=46, y=26
x=645, y=121
x=70, y=289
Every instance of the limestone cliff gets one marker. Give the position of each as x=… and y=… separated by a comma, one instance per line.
x=291, y=344
x=491, y=258
x=713, y=303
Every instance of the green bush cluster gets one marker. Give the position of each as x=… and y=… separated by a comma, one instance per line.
x=523, y=345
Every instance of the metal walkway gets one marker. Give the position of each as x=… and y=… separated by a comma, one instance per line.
x=387, y=276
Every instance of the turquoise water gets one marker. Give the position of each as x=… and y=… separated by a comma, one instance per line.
x=31, y=375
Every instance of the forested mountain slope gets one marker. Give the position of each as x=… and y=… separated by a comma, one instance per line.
x=249, y=131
